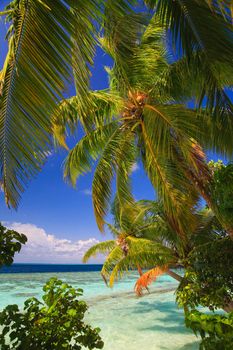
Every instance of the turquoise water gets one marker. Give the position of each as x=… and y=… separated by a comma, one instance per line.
x=127, y=322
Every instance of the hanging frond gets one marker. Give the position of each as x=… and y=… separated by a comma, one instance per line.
x=192, y=21
x=217, y=128
x=121, y=35
x=99, y=248
x=90, y=112
x=147, y=278
x=106, y=167
x=169, y=182
x=87, y=150
x=35, y=73
x=127, y=154
x=112, y=259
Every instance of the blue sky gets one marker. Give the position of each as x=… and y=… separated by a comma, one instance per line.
x=53, y=206
x=57, y=218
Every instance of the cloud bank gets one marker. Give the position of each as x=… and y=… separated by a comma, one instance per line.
x=46, y=248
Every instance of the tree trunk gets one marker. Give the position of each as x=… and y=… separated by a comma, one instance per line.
x=229, y=307
x=174, y=275
x=139, y=270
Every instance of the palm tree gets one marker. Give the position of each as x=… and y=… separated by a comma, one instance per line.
x=135, y=229
x=144, y=239
x=53, y=41
x=140, y=118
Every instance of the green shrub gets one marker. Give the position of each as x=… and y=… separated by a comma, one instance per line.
x=208, y=280
x=215, y=330
x=56, y=323
x=10, y=243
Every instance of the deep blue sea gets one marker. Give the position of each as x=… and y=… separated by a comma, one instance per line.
x=40, y=268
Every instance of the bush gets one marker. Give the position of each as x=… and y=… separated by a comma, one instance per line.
x=10, y=243
x=56, y=323
x=216, y=330
x=208, y=280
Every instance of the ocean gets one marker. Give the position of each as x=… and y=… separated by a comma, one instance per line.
x=152, y=322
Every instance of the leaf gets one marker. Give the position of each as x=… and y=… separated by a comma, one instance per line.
x=147, y=278
x=99, y=248
x=36, y=71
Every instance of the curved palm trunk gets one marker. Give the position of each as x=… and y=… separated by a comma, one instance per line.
x=174, y=275
x=139, y=270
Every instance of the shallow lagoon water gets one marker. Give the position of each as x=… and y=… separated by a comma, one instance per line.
x=127, y=323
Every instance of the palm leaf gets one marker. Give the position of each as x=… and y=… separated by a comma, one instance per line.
x=36, y=71
x=169, y=183
x=191, y=21
x=143, y=253
x=99, y=248
x=87, y=150
x=90, y=112
x=112, y=259
x=147, y=278
x=101, y=186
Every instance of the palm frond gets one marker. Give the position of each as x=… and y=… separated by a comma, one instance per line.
x=86, y=150
x=106, y=167
x=90, y=112
x=191, y=21
x=121, y=34
x=147, y=278
x=87, y=15
x=99, y=248
x=169, y=183
x=112, y=259
x=143, y=253
x=36, y=71
x=125, y=160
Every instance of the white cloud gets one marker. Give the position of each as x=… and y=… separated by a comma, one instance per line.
x=135, y=167
x=42, y=247
x=87, y=192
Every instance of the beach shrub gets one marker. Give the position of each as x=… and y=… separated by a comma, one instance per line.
x=222, y=190
x=56, y=323
x=10, y=243
x=208, y=282
x=209, y=279
x=215, y=330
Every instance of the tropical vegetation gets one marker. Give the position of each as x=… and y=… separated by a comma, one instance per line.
x=56, y=323
x=167, y=56
x=140, y=118
x=11, y=242
x=144, y=238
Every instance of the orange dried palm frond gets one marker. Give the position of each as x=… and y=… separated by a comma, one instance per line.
x=148, y=277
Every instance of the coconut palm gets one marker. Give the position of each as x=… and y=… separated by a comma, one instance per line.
x=52, y=41
x=144, y=239
x=140, y=118
x=134, y=230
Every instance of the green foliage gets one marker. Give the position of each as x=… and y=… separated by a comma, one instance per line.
x=10, y=243
x=57, y=323
x=222, y=189
x=215, y=330
x=209, y=279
